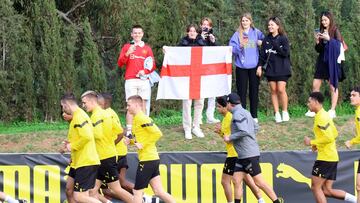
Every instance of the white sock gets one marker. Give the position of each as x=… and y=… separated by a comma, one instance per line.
x=10, y=200
x=261, y=200
x=350, y=198
x=230, y=202
x=109, y=201
x=128, y=129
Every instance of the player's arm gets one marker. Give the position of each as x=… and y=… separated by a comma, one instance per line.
x=326, y=134
x=85, y=133
x=240, y=123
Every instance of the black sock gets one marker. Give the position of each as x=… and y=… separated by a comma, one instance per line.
x=237, y=200
x=276, y=201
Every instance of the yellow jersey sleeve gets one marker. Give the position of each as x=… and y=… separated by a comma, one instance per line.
x=121, y=147
x=226, y=130
x=147, y=134
x=82, y=141
x=104, y=139
x=325, y=137
x=356, y=139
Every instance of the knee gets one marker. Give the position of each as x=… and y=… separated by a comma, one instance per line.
x=224, y=182
x=158, y=191
x=327, y=192
x=358, y=188
x=69, y=192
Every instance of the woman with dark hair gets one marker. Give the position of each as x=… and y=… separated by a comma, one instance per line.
x=275, y=61
x=246, y=42
x=192, y=39
x=327, y=39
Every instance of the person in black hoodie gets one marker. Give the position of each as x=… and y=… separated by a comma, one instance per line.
x=275, y=60
x=192, y=39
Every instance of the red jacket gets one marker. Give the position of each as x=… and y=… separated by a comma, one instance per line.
x=135, y=61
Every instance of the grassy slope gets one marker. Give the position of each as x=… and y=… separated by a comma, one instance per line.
x=272, y=137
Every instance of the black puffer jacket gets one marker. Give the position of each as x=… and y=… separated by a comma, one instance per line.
x=186, y=41
x=279, y=61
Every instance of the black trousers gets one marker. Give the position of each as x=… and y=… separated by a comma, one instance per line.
x=243, y=78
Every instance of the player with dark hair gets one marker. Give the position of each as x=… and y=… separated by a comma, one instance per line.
x=81, y=144
x=325, y=167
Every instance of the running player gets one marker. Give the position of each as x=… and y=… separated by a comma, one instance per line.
x=105, y=147
x=355, y=101
x=325, y=167
x=83, y=151
x=105, y=100
x=146, y=134
x=227, y=177
x=243, y=137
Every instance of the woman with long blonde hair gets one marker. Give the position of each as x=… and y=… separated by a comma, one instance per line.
x=246, y=42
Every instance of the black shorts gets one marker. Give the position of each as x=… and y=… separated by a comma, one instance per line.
x=72, y=172
x=85, y=178
x=107, y=172
x=122, y=163
x=284, y=78
x=358, y=171
x=249, y=165
x=229, y=165
x=145, y=172
x=325, y=169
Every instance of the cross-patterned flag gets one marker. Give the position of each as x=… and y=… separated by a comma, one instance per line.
x=195, y=72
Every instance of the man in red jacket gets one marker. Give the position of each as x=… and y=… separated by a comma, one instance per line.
x=138, y=59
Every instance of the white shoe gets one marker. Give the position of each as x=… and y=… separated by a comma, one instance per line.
x=278, y=117
x=310, y=114
x=285, y=116
x=212, y=120
x=188, y=135
x=197, y=132
x=332, y=113
x=256, y=120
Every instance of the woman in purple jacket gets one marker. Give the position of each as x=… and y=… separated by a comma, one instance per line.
x=245, y=42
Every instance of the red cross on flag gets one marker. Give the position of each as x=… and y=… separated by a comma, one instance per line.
x=195, y=72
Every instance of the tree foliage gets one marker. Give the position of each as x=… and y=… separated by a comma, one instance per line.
x=50, y=47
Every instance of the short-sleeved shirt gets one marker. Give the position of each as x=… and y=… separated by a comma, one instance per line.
x=81, y=138
x=325, y=137
x=146, y=133
x=356, y=139
x=226, y=130
x=104, y=139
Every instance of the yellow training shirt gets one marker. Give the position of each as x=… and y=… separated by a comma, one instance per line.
x=325, y=137
x=356, y=139
x=81, y=138
x=121, y=148
x=104, y=139
x=146, y=133
x=226, y=130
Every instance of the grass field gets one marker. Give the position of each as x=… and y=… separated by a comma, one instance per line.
x=48, y=137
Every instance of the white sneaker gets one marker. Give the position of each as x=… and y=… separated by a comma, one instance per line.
x=197, y=132
x=285, y=116
x=188, y=135
x=278, y=117
x=332, y=113
x=310, y=114
x=256, y=120
x=212, y=120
